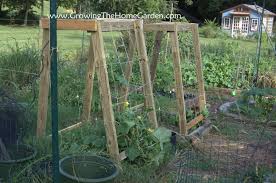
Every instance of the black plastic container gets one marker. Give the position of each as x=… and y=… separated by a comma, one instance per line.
x=87, y=169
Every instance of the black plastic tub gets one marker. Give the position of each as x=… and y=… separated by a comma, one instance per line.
x=19, y=154
x=87, y=169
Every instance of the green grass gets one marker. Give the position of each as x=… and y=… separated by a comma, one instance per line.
x=68, y=40
x=249, y=45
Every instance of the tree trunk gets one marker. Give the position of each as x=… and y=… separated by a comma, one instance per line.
x=1, y=4
x=26, y=13
x=42, y=8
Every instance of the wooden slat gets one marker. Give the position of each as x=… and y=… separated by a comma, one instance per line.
x=43, y=86
x=178, y=83
x=167, y=27
x=127, y=71
x=88, y=92
x=69, y=128
x=145, y=73
x=117, y=25
x=71, y=24
x=137, y=107
x=155, y=54
x=90, y=25
x=199, y=68
x=106, y=103
x=194, y=121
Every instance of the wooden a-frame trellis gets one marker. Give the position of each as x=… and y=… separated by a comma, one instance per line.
x=97, y=63
x=173, y=28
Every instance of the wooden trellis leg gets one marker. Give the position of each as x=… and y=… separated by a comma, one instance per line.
x=106, y=102
x=155, y=54
x=88, y=92
x=128, y=71
x=179, y=83
x=144, y=67
x=43, y=86
x=199, y=68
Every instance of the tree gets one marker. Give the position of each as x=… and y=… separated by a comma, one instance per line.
x=122, y=6
x=21, y=7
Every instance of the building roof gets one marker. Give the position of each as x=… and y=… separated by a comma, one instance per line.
x=254, y=8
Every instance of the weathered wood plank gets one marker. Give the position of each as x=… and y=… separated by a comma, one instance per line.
x=178, y=83
x=43, y=86
x=127, y=71
x=72, y=127
x=145, y=72
x=194, y=121
x=167, y=27
x=137, y=107
x=106, y=102
x=88, y=92
x=117, y=25
x=108, y=25
x=155, y=54
x=71, y=24
x=199, y=68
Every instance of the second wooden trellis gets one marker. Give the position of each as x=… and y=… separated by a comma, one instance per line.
x=173, y=28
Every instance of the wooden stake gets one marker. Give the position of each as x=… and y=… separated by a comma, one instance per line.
x=155, y=54
x=195, y=121
x=43, y=86
x=179, y=83
x=199, y=68
x=144, y=68
x=108, y=115
x=88, y=92
x=128, y=71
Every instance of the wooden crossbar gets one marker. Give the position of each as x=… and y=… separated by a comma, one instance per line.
x=110, y=25
x=168, y=27
x=195, y=121
x=90, y=25
x=71, y=24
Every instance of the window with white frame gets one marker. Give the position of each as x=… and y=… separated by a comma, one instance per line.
x=226, y=22
x=245, y=24
x=236, y=23
x=254, y=24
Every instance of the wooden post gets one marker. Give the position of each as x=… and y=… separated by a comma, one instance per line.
x=108, y=115
x=43, y=86
x=199, y=68
x=88, y=92
x=155, y=54
x=128, y=71
x=144, y=68
x=178, y=83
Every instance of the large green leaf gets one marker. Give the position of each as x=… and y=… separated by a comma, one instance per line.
x=132, y=152
x=74, y=148
x=125, y=126
x=163, y=135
